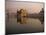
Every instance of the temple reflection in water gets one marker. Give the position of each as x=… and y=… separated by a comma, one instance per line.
x=24, y=17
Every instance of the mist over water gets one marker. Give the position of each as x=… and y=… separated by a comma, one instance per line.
x=32, y=25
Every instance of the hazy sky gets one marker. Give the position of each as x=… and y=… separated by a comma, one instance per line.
x=29, y=6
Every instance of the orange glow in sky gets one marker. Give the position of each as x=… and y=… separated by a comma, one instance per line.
x=29, y=6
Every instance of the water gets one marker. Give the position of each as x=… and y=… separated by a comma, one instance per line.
x=33, y=25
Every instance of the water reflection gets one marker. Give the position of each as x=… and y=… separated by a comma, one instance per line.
x=33, y=25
